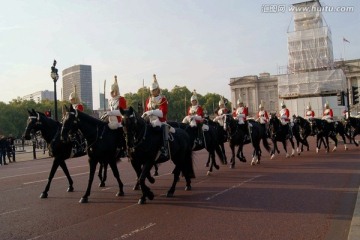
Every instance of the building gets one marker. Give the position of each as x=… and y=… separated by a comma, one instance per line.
x=312, y=75
x=81, y=76
x=104, y=103
x=40, y=96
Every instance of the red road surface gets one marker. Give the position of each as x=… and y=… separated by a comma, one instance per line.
x=311, y=196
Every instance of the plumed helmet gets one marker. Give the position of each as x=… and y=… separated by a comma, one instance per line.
x=262, y=104
x=326, y=105
x=308, y=107
x=239, y=100
x=155, y=83
x=283, y=104
x=115, y=87
x=74, y=95
x=194, y=96
x=221, y=102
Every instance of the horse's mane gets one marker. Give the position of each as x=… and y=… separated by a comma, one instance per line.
x=90, y=118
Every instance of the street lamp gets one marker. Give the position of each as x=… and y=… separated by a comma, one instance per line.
x=55, y=77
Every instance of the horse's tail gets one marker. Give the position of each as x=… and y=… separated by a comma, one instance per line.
x=266, y=143
x=188, y=166
x=219, y=152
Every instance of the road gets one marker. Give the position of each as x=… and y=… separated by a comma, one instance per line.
x=311, y=196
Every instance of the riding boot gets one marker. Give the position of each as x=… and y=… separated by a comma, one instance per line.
x=199, y=137
x=164, y=150
x=121, y=148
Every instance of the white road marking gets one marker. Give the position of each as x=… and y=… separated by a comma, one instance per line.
x=130, y=234
x=13, y=211
x=228, y=189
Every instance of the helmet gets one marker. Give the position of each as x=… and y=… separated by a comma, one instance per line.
x=221, y=102
x=155, y=84
x=283, y=104
x=239, y=100
x=326, y=105
x=74, y=96
x=115, y=87
x=262, y=104
x=308, y=107
x=194, y=96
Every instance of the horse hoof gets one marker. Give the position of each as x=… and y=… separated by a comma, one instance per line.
x=317, y=150
x=231, y=166
x=188, y=188
x=156, y=174
x=102, y=184
x=83, y=200
x=272, y=156
x=169, y=194
x=243, y=159
x=252, y=163
x=216, y=167
x=346, y=149
x=257, y=161
x=70, y=189
x=150, y=195
x=208, y=173
x=141, y=201
x=207, y=165
x=287, y=156
x=120, y=194
x=43, y=195
x=136, y=187
x=334, y=149
x=151, y=180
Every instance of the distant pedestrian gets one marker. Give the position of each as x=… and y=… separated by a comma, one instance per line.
x=3, y=144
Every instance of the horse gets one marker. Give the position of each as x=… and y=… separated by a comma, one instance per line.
x=324, y=129
x=352, y=124
x=279, y=133
x=221, y=137
x=301, y=130
x=209, y=140
x=50, y=131
x=236, y=136
x=102, y=144
x=143, y=143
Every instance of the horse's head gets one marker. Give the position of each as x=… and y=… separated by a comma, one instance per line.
x=315, y=126
x=274, y=124
x=130, y=122
x=229, y=123
x=33, y=124
x=70, y=123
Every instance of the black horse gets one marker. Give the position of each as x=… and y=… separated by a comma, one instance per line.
x=236, y=134
x=280, y=133
x=324, y=129
x=209, y=141
x=102, y=144
x=301, y=131
x=221, y=137
x=352, y=124
x=50, y=131
x=143, y=144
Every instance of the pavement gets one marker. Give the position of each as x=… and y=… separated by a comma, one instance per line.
x=27, y=154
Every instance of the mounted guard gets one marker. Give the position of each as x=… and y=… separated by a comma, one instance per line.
x=240, y=115
x=328, y=113
x=262, y=117
x=156, y=109
x=284, y=115
x=195, y=118
x=114, y=116
x=310, y=114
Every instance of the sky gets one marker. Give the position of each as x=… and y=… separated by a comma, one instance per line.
x=199, y=44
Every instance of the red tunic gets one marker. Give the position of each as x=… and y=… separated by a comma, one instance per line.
x=78, y=107
x=198, y=111
x=159, y=102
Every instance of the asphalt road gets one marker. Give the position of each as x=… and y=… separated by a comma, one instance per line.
x=311, y=196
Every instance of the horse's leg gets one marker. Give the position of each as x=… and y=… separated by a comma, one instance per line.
x=274, y=148
x=116, y=173
x=92, y=163
x=333, y=137
x=293, y=146
x=327, y=144
x=156, y=173
x=240, y=154
x=356, y=132
x=222, y=147
x=285, y=148
x=232, y=160
x=67, y=174
x=54, y=167
x=102, y=174
x=146, y=192
x=344, y=139
x=137, y=168
x=171, y=191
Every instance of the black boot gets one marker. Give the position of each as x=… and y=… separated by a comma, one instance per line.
x=164, y=150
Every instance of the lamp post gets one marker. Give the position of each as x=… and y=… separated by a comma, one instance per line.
x=55, y=77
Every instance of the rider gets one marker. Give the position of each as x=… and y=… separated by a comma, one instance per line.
x=285, y=117
x=328, y=113
x=156, y=108
x=262, y=116
x=115, y=103
x=240, y=115
x=310, y=114
x=78, y=139
x=220, y=112
x=195, y=112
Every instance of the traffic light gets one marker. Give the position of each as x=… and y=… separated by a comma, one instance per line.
x=355, y=95
x=340, y=98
